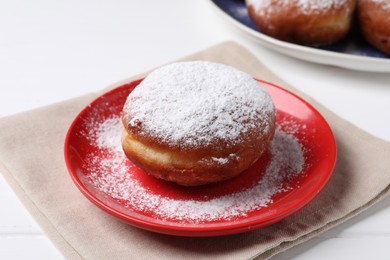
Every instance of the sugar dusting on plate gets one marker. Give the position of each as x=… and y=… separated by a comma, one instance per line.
x=109, y=171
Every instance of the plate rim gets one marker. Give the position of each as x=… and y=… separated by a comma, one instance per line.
x=208, y=229
x=283, y=47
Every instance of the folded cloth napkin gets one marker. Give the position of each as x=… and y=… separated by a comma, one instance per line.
x=31, y=160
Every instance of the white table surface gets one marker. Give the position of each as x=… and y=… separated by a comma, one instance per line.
x=55, y=50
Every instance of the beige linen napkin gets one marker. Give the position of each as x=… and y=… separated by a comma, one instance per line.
x=31, y=160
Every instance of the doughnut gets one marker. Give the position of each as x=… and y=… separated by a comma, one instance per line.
x=374, y=20
x=197, y=122
x=307, y=22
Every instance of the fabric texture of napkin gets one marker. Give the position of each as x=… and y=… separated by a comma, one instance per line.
x=32, y=162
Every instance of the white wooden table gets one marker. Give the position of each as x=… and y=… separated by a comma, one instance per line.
x=55, y=50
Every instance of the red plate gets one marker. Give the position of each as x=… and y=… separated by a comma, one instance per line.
x=297, y=167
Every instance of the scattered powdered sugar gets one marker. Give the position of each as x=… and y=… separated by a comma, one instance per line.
x=384, y=3
x=114, y=126
x=198, y=103
x=264, y=7
x=220, y=160
x=112, y=174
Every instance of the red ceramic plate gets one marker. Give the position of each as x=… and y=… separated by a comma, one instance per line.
x=297, y=166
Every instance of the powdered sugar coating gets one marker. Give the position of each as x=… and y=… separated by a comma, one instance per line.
x=111, y=173
x=265, y=7
x=384, y=3
x=191, y=104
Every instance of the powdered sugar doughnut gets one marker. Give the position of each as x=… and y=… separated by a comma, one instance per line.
x=197, y=122
x=310, y=22
x=374, y=20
